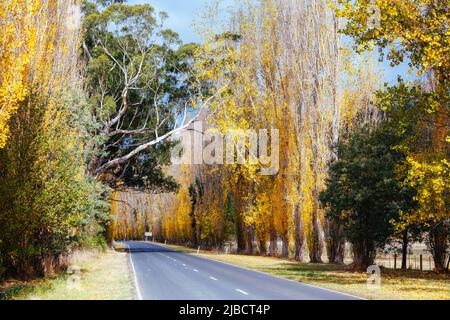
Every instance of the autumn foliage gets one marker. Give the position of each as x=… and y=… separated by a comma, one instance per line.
x=286, y=65
x=94, y=93
x=48, y=206
x=18, y=34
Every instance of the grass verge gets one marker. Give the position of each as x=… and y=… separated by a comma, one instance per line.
x=91, y=276
x=395, y=284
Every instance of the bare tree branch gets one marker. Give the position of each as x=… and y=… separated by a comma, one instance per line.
x=115, y=162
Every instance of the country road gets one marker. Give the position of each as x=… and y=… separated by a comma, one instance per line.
x=164, y=274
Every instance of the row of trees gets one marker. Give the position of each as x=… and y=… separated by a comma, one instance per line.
x=47, y=204
x=358, y=162
x=90, y=91
x=92, y=94
x=283, y=61
x=418, y=115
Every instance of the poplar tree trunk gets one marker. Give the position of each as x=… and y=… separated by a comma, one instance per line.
x=285, y=247
x=240, y=239
x=249, y=241
x=315, y=254
x=316, y=245
x=298, y=237
x=448, y=263
x=405, y=244
x=333, y=231
x=273, y=247
x=238, y=221
x=262, y=247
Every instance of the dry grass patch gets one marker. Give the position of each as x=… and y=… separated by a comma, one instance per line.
x=91, y=276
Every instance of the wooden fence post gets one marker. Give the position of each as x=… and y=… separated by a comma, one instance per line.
x=421, y=264
x=395, y=261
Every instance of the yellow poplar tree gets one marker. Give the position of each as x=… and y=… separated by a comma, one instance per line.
x=17, y=48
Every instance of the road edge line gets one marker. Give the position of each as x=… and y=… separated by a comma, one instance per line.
x=273, y=275
x=268, y=274
x=136, y=284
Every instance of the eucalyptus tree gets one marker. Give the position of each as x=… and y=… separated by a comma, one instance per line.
x=141, y=91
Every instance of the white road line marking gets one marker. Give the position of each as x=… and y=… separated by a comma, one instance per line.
x=272, y=275
x=212, y=278
x=184, y=265
x=241, y=291
x=136, y=284
x=195, y=270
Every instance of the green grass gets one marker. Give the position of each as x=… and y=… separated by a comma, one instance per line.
x=102, y=276
x=395, y=284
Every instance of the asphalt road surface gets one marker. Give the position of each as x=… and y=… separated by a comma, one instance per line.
x=164, y=274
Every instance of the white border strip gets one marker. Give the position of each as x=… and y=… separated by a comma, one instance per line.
x=136, y=284
x=272, y=275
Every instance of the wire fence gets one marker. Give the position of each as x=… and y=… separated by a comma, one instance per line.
x=417, y=258
x=422, y=262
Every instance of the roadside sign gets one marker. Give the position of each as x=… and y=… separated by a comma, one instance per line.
x=149, y=234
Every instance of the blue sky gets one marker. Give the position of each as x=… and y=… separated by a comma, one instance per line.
x=183, y=13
